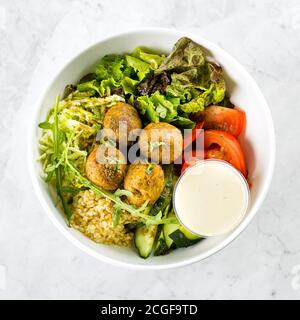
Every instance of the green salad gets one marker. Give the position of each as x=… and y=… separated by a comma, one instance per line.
x=150, y=89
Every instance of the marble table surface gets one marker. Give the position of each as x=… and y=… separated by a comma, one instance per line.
x=37, y=38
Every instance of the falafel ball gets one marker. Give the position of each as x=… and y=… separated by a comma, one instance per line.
x=145, y=182
x=121, y=114
x=106, y=167
x=161, y=142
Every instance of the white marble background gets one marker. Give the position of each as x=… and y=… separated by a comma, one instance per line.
x=36, y=38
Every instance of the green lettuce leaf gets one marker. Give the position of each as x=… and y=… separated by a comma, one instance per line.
x=198, y=103
x=158, y=108
x=107, y=85
x=198, y=87
x=185, y=94
x=148, y=56
x=113, y=72
x=167, y=109
x=185, y=54
x=140, y=67
x=121, y=74
x=198, y=78
x=184, y=84
x=129, y=85
x=87, y=86
x=197, y=82
x=218, y=92
x=146, y=107
x=183, y=122
x=110, y=66
x=213, y=95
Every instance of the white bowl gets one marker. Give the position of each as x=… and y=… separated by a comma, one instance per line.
x=258, y=143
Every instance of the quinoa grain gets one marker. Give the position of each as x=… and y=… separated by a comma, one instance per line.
x=92, y=215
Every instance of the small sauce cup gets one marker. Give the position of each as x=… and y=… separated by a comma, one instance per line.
x=211, y=198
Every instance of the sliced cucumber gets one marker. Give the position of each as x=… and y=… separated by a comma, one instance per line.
x=161, y=247
x=188, y=234
x=178, y=236
x=181, y=240
x=168, y=229
x=144, y=238
x=166, y=196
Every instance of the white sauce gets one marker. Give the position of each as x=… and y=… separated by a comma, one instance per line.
x=211, y=198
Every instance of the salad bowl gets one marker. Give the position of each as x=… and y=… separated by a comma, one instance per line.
x=258, y=142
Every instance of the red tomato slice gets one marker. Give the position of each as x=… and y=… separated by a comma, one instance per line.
x=222, y=145
x=214, y=154
x=184, y=166
x=225, y=119
x=190, y=161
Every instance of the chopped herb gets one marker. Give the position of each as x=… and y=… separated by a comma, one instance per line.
x=116, y=215
x=149, y=169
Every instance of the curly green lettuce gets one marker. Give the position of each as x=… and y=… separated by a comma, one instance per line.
x=185, y=54
x=158, y=108
x=213, y=95
x=195, y=81
x=121, y=73
x=150, y=81
x=111, y=66
x=198, y=87
x=149, y=56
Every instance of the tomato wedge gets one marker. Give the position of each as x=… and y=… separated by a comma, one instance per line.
x=185, y=166
x=222, y=145
x=191, y=161
x=230, y=120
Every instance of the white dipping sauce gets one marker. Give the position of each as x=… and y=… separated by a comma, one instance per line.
x=211, y=198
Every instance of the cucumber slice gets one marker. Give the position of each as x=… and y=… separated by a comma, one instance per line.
x=181, y=240
x=161, y=247
x=188, y=234
x=168, y=229
x=144, y=238
x=177, y=235
x=166, y=196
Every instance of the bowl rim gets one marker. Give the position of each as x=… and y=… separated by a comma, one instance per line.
x=232, y=236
